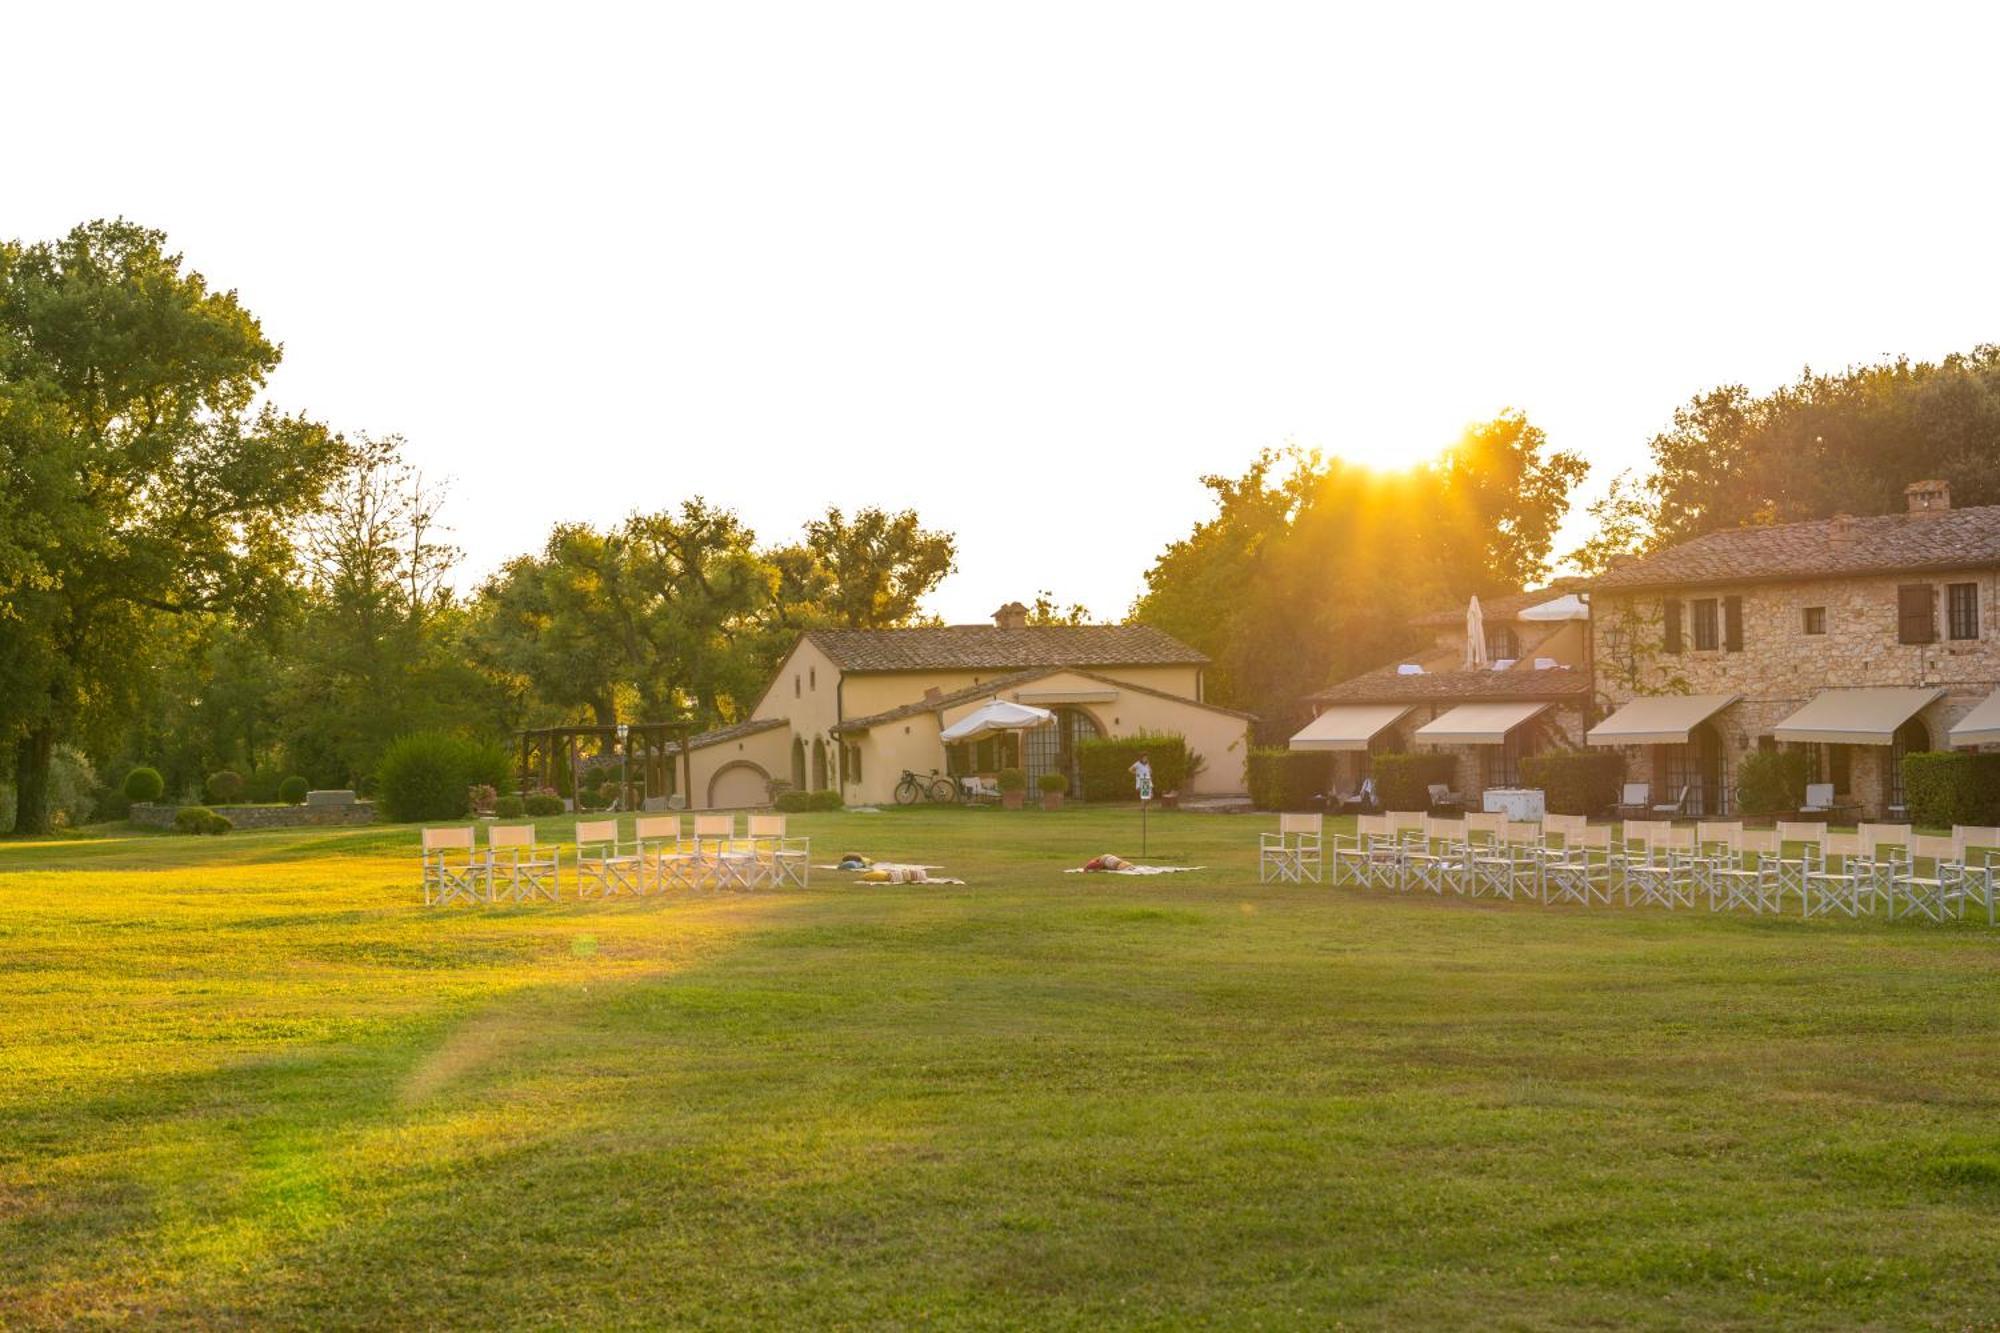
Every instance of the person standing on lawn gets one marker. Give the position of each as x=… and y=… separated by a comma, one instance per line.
x=1142, y=775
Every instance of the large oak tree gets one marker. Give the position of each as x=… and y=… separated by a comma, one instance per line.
x=144, y=480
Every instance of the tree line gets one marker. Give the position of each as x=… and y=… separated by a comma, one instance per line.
x=194, y=578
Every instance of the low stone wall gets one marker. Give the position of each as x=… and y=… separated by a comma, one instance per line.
x=265, y=816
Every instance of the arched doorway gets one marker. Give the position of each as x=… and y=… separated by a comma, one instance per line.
x=1702, y=767
x=737, y=785
x=820, y=782
x=1913, y=737
x=799, y=763
x=1053, y=749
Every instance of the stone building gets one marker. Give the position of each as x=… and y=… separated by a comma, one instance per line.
x=1533, y=694
x=1858, y=638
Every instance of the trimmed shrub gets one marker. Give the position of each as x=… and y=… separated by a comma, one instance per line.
x=1014, y=779
x=1946, y=787
x=1289, y=779
x=1403, y=780
x=292, y=791
x=1575, y=782
x=428, y=776
x=224, y=786
x=510, y=807
x=1107, y=763
x=200, y=819
x=144, y=784
x=1771, y=782
x=801, y=802
x=541, y=805
x=1052, y=784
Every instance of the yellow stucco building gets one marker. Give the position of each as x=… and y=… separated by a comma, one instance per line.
x=851, y=709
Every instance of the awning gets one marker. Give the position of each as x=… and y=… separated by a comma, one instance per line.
x=1477, y=724
x=1566, y=607
x=1658, y=719
x=1982, y=725
x=1854, y=717
x=1347, y=726
x=996, y=716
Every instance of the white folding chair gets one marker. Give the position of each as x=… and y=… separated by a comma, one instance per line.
x=1747, y=877
x=1930, y=896
x=1885, y=848
x=518, y=868
x=1292, y=854
x=1978, y=855
x=604, y=865
x=786, y=860
x=1715, y=843
x=1438, y=862
x=1505, y=863
x=664, y=854
x=1790, y=870
x=1580, y=872
x=453, y=872
x=1844, y=882
x=1355, y=854
x=1662, y=874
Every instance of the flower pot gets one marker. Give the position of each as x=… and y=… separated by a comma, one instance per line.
x=1052, y=800
x=1012, y=800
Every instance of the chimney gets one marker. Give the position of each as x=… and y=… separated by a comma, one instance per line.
x=1011, y=616
x=1928, y=497
x=1840, y=529
x=933, y=695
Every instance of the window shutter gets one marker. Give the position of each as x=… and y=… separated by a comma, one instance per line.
x=1732, y=624
x=1915, y=622
x=1673, y=610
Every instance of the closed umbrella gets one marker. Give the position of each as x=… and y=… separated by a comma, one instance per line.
x=1475, y=636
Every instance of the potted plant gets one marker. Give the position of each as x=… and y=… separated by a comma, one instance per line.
x=1053, y=786
x=1013, y=784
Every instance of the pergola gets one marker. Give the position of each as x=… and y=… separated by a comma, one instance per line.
x=644, y=748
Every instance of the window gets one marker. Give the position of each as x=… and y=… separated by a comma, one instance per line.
x=1962, y=610
x=812, y=678
x=854, y=763
x=1916, y=614
x=1671, y=610
x=795, y=687
x=1732, y=624
x=1707, y=635
x=1815, y=620
x=1503, y=761
x=1502, y=643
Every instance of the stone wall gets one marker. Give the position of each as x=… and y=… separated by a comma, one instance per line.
x=1781, y=667
x=265, y=816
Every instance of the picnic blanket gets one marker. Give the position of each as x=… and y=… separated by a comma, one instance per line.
x=890, y=872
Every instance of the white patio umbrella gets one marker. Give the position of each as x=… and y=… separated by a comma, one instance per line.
x=1569, y=606
x=1475, y=636
x=996, y=716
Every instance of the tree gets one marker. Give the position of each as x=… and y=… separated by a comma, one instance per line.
x=1047, y=611
x=1824, y=444
x=1311, y=568
x=150, y=484
x=869, y=572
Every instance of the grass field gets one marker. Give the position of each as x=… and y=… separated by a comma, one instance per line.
x=247, y=1080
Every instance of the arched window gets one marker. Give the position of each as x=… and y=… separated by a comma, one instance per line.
x=1053, y=748
x=799, y=763
x=1913, y=737
x=820, y=782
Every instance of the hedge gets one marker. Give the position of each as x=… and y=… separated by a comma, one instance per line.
x=1575, y=782
x=292, y=791
x=200, y=819
x=144, y=784
x=1771, y=782
x=1107, y=764
x=1289, y=779
x=430, y=775
x=1403, y=780
x=1947, y=787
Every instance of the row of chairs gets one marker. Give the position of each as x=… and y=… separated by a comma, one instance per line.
x=514, y=866
x=1888, y=868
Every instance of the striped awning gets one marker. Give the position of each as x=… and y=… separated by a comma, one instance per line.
x=1982, y=725
x=1658, y=719
x=1477, y=724
x=1347, y=726
x=1867, y=716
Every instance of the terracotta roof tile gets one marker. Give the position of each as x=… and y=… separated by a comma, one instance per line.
x=989, y=648
x=731, y=733
x=1386, y=686
x=1001, y=684
x=1871, y=544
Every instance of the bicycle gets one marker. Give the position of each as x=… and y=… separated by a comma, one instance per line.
x=913, y=788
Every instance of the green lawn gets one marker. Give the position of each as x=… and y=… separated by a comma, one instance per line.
x=248, y=1080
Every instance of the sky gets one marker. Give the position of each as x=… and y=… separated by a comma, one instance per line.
x=1030, y=269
